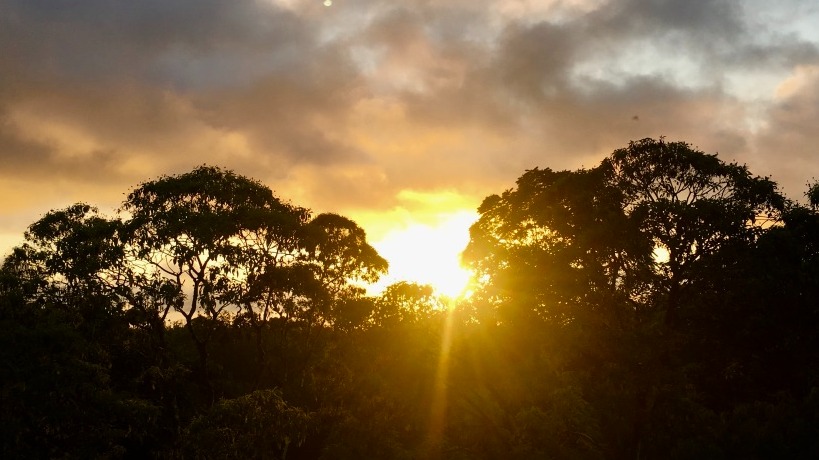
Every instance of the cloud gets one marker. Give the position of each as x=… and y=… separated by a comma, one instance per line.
x=119, y=89
x=347, y=107
x=787, y=145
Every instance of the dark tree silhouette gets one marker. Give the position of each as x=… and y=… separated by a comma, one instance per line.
x=662, y=304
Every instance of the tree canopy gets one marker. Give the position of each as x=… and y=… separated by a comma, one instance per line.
x=662, y=304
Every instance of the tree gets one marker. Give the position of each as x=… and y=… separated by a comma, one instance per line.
x=592, y=232
x=337, y=251
x=210, y=228
x=813, y=195
x=218, y=251
x=260, y=425
x=61, y=331
x=545, y=250
x=690, y=204
x=405, y=302
x=57, y=394
x=69, y=255
x=574, y=255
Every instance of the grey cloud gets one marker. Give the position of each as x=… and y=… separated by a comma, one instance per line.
x=532, y=61
x=698, y=19
x=783, y=53
x=719, y=35
x=295, y=116
x=19, y=156
x=97, y=39
x=26, y=159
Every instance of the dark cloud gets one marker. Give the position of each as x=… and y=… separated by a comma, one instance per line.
x=704, y=19
x=532, y=61
x=166, y=40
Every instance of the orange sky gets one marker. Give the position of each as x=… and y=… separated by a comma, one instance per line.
x=401, y=115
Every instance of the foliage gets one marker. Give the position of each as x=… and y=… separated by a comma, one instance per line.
x=57, y=392
x=255, y=426
x=659, y=305
x=405, y=302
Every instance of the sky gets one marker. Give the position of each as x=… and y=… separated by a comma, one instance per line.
x=402, y=115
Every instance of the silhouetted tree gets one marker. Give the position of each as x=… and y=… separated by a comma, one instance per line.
x=659, y=305
x=690, y=204
x=260, y=425
x=203, y=228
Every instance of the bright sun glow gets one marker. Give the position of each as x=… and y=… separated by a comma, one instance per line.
x=429, y=254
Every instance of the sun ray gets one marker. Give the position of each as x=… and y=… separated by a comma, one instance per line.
x=438, y=409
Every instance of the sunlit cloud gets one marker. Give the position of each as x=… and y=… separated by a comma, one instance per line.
x=798, y=81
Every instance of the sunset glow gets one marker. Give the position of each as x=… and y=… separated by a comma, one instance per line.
x=429, y=254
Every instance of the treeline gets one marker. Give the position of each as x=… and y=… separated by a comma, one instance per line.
x=660, y=305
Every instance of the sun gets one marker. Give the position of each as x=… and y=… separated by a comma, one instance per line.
x=429, y=254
